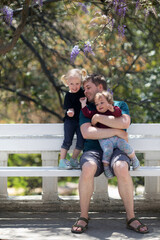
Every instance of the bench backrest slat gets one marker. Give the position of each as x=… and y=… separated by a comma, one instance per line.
x=44, y=129
x=150, y=129
x=48, y=137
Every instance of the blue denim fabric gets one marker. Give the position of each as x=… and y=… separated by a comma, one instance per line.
x=71, y=127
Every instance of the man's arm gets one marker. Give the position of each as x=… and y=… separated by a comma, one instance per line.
x=90, y=132
x=122, y=122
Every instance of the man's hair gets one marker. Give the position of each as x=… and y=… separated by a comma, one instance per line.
x=96, y=79
x=108, y=96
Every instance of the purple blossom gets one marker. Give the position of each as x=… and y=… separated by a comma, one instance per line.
x=137, y=4
x=110, y=90
x=84, y=7
x=121, y=31
x=146, y=12
x=88, y=48
x=8, y=14
x=74, y=53
x=120, y=7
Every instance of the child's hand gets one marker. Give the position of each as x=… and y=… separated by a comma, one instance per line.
x=110, y=107
x=83, y=101
x=70, y=112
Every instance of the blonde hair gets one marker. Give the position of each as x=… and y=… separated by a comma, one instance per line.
x=75, y=72
x=108, y=96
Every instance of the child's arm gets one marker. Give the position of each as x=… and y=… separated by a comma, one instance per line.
x=114, y=111
x=83, y=101
x=68, y=106
x=86, y=112
x=70, y=112
x=117, y=111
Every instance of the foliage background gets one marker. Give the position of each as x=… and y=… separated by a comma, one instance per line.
x=31, y=91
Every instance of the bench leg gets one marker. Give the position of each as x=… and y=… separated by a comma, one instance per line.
x=3, y=180
x=152, y=184
x=101, y=188
x=49, y=184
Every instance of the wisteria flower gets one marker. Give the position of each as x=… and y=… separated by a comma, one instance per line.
x=88, y=48
x=120, y=7
x=121, y=31
x=110, y=90
x=8, y=14
x=137, y=7
x=84, y=7
x=74, y=53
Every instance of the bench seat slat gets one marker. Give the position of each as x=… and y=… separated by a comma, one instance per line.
x=56, y=172
x=37, y=172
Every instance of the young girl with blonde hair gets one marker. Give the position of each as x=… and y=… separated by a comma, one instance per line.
x=72, y=106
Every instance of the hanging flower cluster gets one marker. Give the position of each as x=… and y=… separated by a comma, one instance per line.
x=121, y=31
x=110, y=90
x=8, y=14
x=74, y=53
x=120, y=7
x=83, y=7
x=87, y=48
x=148, y=8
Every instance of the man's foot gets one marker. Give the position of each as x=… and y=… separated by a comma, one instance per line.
x=136, y=225
x=80, y=225
x=64, y=164
x=74, y=163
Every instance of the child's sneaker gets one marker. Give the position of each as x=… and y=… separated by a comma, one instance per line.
x=135, y=164
x=107, y=172
x=74, y=163
x=65, y=164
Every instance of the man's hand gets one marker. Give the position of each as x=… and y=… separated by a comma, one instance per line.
x=94, y=119
x=122, y=134
x=70, y=112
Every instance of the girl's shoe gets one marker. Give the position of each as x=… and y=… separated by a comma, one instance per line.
x=64, y=164
x=74, y=163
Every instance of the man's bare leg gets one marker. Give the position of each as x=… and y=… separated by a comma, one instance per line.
x=125, y=187
x=86, y=188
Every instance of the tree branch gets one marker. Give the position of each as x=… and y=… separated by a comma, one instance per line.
x=29, y=99
x=4, y=48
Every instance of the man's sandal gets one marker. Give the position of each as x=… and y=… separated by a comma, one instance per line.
x=83, y=228
x=136, y=229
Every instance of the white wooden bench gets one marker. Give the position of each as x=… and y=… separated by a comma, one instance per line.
x=46, y=139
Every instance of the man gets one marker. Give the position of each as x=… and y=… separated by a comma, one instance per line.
x=91, y=163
